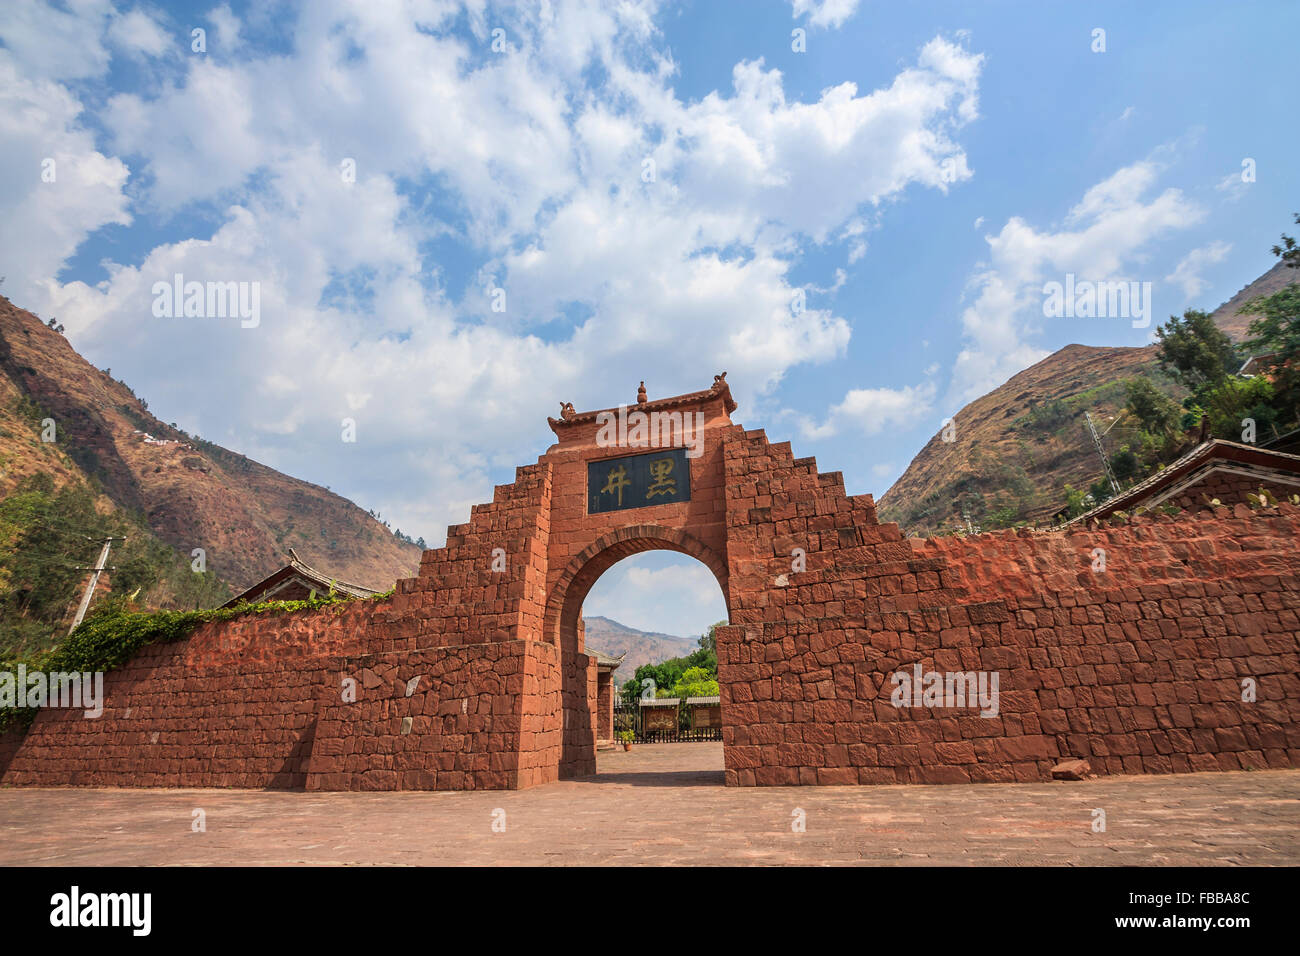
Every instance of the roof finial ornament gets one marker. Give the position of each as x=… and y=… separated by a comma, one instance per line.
x=640, y=395
x=566, y=411
x=720, y=380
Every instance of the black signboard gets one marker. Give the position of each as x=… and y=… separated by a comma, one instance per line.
x=638, y=481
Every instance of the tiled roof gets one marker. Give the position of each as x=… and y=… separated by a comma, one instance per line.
x=1205, y=454
x=323, y=583
x=604, y=660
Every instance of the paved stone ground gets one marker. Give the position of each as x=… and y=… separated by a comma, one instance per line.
x=665, y=804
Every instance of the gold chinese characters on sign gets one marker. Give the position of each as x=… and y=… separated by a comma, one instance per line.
x=637, y=481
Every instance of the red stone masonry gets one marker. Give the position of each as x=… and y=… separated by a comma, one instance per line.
x=448, y=718
x=1138, y=668
x=474, y=674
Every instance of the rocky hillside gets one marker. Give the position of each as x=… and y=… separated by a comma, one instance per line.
x=1237, y=323
x=1020, y=444
x=190, y=493
x=642, y=647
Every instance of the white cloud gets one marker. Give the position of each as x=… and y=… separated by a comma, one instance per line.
x=138, y=33
x=48, y=43
x=58, y=188
x=756, y=155
x=870, y=411
x=1233, y=185
x=1187, y=274
x=228, y=28
x=1103, y=237
x=825, y=13
x=197, y=140
x=531, y=171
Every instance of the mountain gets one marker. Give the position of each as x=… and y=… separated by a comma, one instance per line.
x=188, y=492
x=1019, y=445
x=642, y=647
x=1236, y=323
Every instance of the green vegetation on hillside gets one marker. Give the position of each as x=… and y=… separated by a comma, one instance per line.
x=1275, y=335
x=48, y=537
x=1017, y=448
x=1207, y=364
x=1200, y=358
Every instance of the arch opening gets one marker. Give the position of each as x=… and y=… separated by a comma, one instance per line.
x=588, y=695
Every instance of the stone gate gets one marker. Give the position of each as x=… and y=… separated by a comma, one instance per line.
x=1182, y=654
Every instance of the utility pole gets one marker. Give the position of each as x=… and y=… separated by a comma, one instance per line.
x=100, y=567
x=1101, y=452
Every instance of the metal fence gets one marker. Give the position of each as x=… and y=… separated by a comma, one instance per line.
x=632, y=717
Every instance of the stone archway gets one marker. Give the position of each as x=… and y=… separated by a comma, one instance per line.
x=562, y=624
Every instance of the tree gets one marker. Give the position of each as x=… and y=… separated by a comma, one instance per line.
x=695, y=682
x=1236, y=399
x=1156, y=412
x=630, y=691
x=709, y=641
x=1003, y=517
x=1100, y=491
x=1196, y=351
x=49, y=536
x=1124, y=464
x=668, y=674
x=1275, y=335
x=1288, y=252
x=1077, y=501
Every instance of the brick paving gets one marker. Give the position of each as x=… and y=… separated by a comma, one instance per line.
x=664, y=804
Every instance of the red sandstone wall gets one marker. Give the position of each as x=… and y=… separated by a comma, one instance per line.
x=458, y=597
x=10, y=742
x=541, y=742
x=238, y=702
x=354, y=627
x=578, y=678
x=447, y=718
x=168, y=723
x=1138, y=668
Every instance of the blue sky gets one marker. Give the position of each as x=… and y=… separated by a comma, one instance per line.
x=918, y=171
